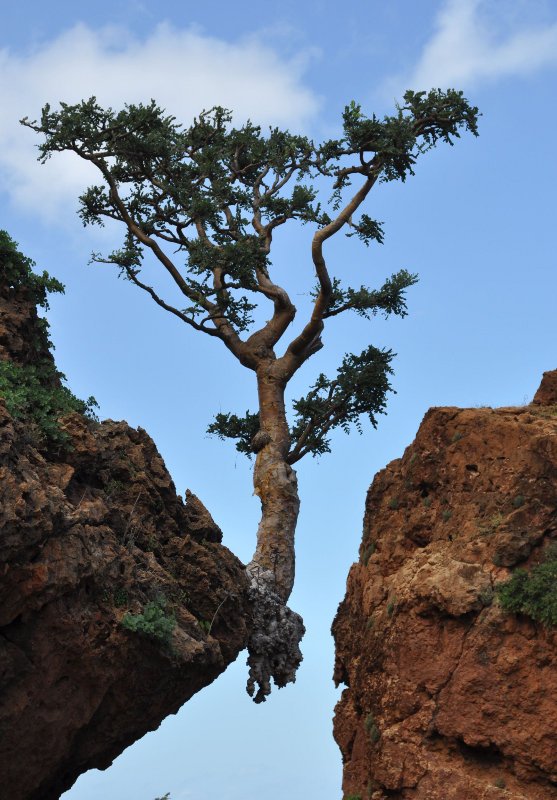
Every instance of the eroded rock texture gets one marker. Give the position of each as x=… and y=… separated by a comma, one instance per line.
x=87, y=536
x=449, y=697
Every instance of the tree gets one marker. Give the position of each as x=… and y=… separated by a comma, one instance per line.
x=206, y=201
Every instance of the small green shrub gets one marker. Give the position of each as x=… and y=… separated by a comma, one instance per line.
x=391, y=607
x=369, y=623
x=156, y=621
x=352, y=797
x=413, y=458
x=532, y=593
x=500, y=783
x=368, y=552
x=427, y=501
x=371, y=728
x=30, y=395
x=518, y=501
x=121, y=598
x=393, y=503
x=456, y=436
x=204, y=624
x=446, y=515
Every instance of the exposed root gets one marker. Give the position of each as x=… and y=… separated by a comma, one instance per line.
x=273, y=645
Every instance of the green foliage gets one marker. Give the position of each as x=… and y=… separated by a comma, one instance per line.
x=393, y=503
x=205, y=625
x=390, y=298
x=16, y=271
x=446, y=515
x=352, y=797
x=229, y=426
x=359, y=389
x=533, y=593
x=424, y=119
x=391, y=607
x=371, y=728
x=518, y=501
x=499, y=783
x=156, y=621
x=30, y=396
x=214, y=194
x=456, y=436
x=35, y=392
x=121, y=598
x=427, y=501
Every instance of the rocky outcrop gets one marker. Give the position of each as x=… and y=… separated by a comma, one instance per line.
x=449, y=697
x=117, y=600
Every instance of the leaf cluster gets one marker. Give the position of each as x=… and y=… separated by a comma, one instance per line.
x=31, y=395
x=230, y=426
x=533, y=593
x=358, y=390
x=156, y=621
x=390, y=298
x=16, y=272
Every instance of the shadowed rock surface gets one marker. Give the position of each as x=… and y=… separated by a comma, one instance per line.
x=87, y=536
x=449, y=697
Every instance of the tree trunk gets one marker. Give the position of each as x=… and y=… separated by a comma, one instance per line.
x=276, y=630
x=276, y=486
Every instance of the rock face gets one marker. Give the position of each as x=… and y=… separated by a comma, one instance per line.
x=89, y=536
x=449, y=697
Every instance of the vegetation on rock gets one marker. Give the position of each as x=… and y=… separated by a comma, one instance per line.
x=533, y=593
x=35, y=392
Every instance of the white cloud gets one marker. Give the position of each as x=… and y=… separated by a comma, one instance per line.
x=478, y=40
x=183, y=70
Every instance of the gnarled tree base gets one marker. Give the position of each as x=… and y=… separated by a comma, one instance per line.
x=273, y=645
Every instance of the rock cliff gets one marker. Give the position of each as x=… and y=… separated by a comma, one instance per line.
x=117, y=600
x=449, y=696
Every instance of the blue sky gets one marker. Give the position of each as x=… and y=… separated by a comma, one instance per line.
x=476, y=222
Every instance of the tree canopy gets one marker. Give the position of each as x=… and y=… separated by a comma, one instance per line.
x=205, y=201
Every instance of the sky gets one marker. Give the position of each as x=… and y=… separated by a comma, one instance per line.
x=476, y=222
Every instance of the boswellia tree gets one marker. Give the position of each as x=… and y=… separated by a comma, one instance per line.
x=205, y=201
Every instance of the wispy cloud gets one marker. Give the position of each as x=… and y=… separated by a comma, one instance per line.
x=184, y=70
x=476, y=41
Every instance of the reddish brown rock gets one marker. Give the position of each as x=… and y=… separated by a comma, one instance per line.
x=449, y=697
x=84, y=540
x=88, y=535
x=547, y=392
